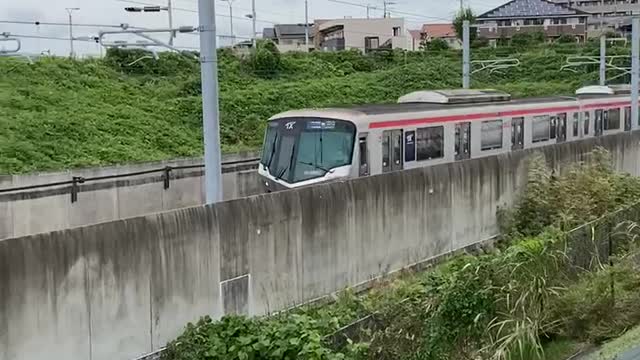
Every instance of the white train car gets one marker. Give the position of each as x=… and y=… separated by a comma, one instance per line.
x=306, y=147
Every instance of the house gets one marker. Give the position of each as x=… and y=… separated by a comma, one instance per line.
x=526, y=16
x=289, y=37
x=444, y=32
x=605, y=15
x=363, y=34
x=416, y=39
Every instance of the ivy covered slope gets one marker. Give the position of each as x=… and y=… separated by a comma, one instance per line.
x=59, y=113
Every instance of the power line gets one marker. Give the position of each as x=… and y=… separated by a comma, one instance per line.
x=40, y=23
x=194, y=11
x=393, y=11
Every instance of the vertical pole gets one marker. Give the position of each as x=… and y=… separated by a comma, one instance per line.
x=253, y=22
x=461, y=6
x=368, y=10
x=306, y=24
x=635, y=67
x=170, y=11
x=71, y=52
x=603, y=60
x=465, y=54
x=233, y=37
x=384, y=6
x=211, y=127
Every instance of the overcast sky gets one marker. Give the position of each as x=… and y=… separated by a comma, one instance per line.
x=110, y=12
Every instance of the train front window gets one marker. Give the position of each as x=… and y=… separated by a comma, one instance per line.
x=323, y=145
x=298, y=149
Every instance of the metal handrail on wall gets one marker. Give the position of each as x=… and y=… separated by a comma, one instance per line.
x=77, y=180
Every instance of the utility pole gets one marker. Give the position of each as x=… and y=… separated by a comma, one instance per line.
x=603, y=60
x=70, y=12
x=233, y=38
x=466, y=81
x=368, y=7
x=306, y=24
x=386, y=3
x=211, y=125
x=635, y=69
x=253, y=20
x=461, y=6
x=172, y=35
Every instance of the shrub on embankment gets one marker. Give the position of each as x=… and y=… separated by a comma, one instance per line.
x=60, y=113
x=549, y=281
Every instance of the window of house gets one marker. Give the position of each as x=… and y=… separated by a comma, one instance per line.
x=541, y=128
x=491, y=135
x=582, y=20
x=371, y=42
x=396, y=31
x=429, y=143
x=612, y=119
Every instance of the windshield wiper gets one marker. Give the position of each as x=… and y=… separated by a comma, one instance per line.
x=315, y=166
x=284, y=169
x=273, y=152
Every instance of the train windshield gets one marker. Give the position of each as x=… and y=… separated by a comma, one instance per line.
x=298, y=149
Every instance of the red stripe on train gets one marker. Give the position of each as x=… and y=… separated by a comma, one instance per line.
x=408, y=122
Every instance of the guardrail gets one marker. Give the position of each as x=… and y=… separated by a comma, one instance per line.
x=166, y=177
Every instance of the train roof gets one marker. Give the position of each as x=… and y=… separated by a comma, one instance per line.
x=358, y=111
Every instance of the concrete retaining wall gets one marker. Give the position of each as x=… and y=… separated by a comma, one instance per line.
x=49, y=209
x=124, y=288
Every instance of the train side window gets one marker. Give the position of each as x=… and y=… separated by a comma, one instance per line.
x=612, y=119
x=576, y=120
x=430, y=143
x=597, y=124
x=553, y=127
x=627, y=118
x=364, y=155
x=587, y=116
x=491, y=135
x=541, y=128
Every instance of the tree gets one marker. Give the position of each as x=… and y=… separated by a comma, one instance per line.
x=437, y=45
x=461, y=16
x=265, y=60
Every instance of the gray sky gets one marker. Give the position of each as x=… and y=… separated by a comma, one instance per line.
x=110, y=12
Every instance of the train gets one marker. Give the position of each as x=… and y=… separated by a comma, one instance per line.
x=425, y=128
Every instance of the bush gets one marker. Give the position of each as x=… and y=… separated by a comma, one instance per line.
x=566, y=39
x=437, y=45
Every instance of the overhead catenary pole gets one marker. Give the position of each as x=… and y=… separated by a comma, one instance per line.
x=172, y=35
x=253, y=22
x=70, y=12
x=368, y=7
x=465, y=54
x=461, y=6
x=603, y=60
x=635, y=69
x=306, y=24
x=211, y=126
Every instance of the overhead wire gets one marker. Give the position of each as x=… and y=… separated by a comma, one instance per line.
x=44, y=23
x=194, y=11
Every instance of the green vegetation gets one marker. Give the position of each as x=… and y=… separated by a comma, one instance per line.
x=544, y=292
x=128, y=107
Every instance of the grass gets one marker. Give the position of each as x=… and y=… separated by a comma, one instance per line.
x=59, y=113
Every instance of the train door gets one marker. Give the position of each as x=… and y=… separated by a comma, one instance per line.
x=598, y=124
x=463, y=141
x=517, y=133
x=364, y=155
x=391, y=150
x=627, y=118
x=562, y=128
